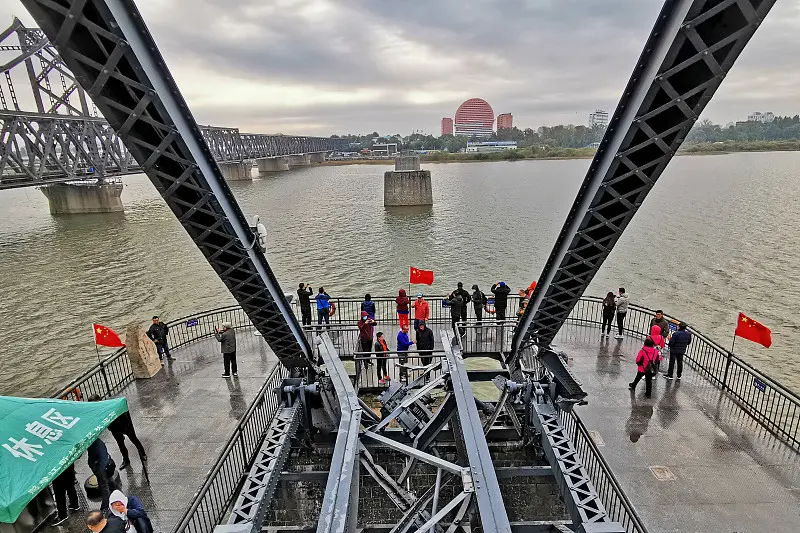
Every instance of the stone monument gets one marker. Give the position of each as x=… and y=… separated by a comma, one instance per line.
x=407, y=184
x=141, y=351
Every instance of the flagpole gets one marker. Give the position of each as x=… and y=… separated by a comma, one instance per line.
x=96, y=349
x=734, y=342
x=100, y=363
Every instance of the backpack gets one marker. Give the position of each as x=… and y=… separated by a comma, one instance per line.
x=650, y=367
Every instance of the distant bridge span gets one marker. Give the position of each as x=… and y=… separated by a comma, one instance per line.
x=62, y=139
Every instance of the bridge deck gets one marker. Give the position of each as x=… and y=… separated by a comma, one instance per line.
x=730, y=475
x=183, y=416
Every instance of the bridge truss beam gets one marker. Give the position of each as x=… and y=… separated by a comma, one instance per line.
x=691, y=49
x=109, y=49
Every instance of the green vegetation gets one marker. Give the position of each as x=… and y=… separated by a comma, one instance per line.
x=739, y=146
x=545, y=152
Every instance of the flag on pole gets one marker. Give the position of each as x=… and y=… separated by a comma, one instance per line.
x=418, y=276
x=749, y=329
x=105, y=336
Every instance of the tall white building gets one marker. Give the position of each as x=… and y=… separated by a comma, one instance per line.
x=598, y=118
x=761, y=117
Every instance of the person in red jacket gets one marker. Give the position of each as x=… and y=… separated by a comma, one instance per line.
x=647, y=355
x=403, y=302
x=422, y=311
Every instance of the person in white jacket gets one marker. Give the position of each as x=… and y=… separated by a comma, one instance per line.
x=621, y=301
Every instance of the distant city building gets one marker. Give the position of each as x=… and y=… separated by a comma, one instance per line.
x=447, y=126
x=761, y=117
x=598, y=118
x=505, y=121
x=490, y=146
x=474, y=118
x=384, y=149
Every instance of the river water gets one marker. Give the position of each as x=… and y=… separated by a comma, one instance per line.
x=717, y=235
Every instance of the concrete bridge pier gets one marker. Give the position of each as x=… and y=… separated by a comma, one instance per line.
x=300, y=160
x=318, y=157
x=237, y=171
x=407, y=184
x=80, y=199
x=273, y=164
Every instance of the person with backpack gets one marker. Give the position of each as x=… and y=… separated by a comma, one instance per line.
x=645, y=366
x=465, y=296
x=479, y=302
x=609, y=308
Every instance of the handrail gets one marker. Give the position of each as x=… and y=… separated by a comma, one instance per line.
x=227, y=473
x=618, y=505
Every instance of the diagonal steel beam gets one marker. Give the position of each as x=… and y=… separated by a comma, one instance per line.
x=487, y=490
x=109, y=49
x=693, y=45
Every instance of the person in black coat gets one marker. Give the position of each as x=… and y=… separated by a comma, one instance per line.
x=467, y=299
x=501, y=292
x=304, y=294
x=478, y=302
x=456, y=303
x=63, y=487
x=119, y=428
x=425, y=343
x=102, y=467
x=158, y=334
x=678, y=344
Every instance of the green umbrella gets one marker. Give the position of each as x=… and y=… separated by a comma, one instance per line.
x=41, y=437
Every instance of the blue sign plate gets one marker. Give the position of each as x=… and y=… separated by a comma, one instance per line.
x=760, y=385
x=192, y=322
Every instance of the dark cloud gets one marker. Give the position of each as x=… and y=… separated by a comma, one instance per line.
x=329, y=66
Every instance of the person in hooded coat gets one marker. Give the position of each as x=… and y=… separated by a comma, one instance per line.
x=647, y=354
x=456, y=303
x=501, y=292
x=609, y=309
x=467, y=299
x=402, y=302
x=131, y=512
x=479, y=301
x=659, y=341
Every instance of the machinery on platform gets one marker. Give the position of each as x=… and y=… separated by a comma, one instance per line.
x=431, y=429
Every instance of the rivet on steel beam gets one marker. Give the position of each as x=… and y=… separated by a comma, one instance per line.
x=705, y=52
x=660, y=78
x=677, y=99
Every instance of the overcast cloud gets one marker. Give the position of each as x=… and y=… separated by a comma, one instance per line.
x=335, y=66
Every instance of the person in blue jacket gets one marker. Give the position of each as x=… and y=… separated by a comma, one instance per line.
x=403, y=344
x=131, y=512
x=369, y=306
x=678, y=344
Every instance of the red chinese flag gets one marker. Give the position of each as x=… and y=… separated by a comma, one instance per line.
x=422, y=277
x=106, y=337
x=531, y=288
x=749, y=329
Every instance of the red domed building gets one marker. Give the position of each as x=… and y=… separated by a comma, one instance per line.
x=475, y=118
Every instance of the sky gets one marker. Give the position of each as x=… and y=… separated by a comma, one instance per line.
x=323, y=67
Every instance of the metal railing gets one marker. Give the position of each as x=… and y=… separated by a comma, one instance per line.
x=618, y=507
x=106, y=378
x=212, y=501
x=768, y=402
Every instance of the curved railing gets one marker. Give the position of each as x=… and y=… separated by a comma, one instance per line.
x=770, y=403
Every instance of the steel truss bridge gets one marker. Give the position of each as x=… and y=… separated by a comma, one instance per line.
x=691, y=48
x=50, y=131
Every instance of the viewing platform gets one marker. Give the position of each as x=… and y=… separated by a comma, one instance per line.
x=693, y=457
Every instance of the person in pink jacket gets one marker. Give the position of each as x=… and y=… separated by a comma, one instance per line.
x=659, y=342
x=646, y=355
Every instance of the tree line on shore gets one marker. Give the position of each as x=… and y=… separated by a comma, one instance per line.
x=568, y=140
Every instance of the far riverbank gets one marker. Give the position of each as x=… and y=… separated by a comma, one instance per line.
x=552, y=153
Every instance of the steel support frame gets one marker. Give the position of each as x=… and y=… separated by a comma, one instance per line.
x=692, y=47
x=255, y=497
x=487, y=489
x=109, y=49
x=339, y=510
x=577, y=490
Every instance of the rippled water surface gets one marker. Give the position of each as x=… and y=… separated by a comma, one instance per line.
x=716, y=236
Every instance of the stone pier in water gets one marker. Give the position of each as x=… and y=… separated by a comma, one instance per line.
x=407, y=184
x=84, y=198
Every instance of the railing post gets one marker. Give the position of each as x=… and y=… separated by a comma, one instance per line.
x=727, y=368
x=105, y=378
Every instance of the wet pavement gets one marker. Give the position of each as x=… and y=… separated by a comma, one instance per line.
x=688, y=458
x=183, y=416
